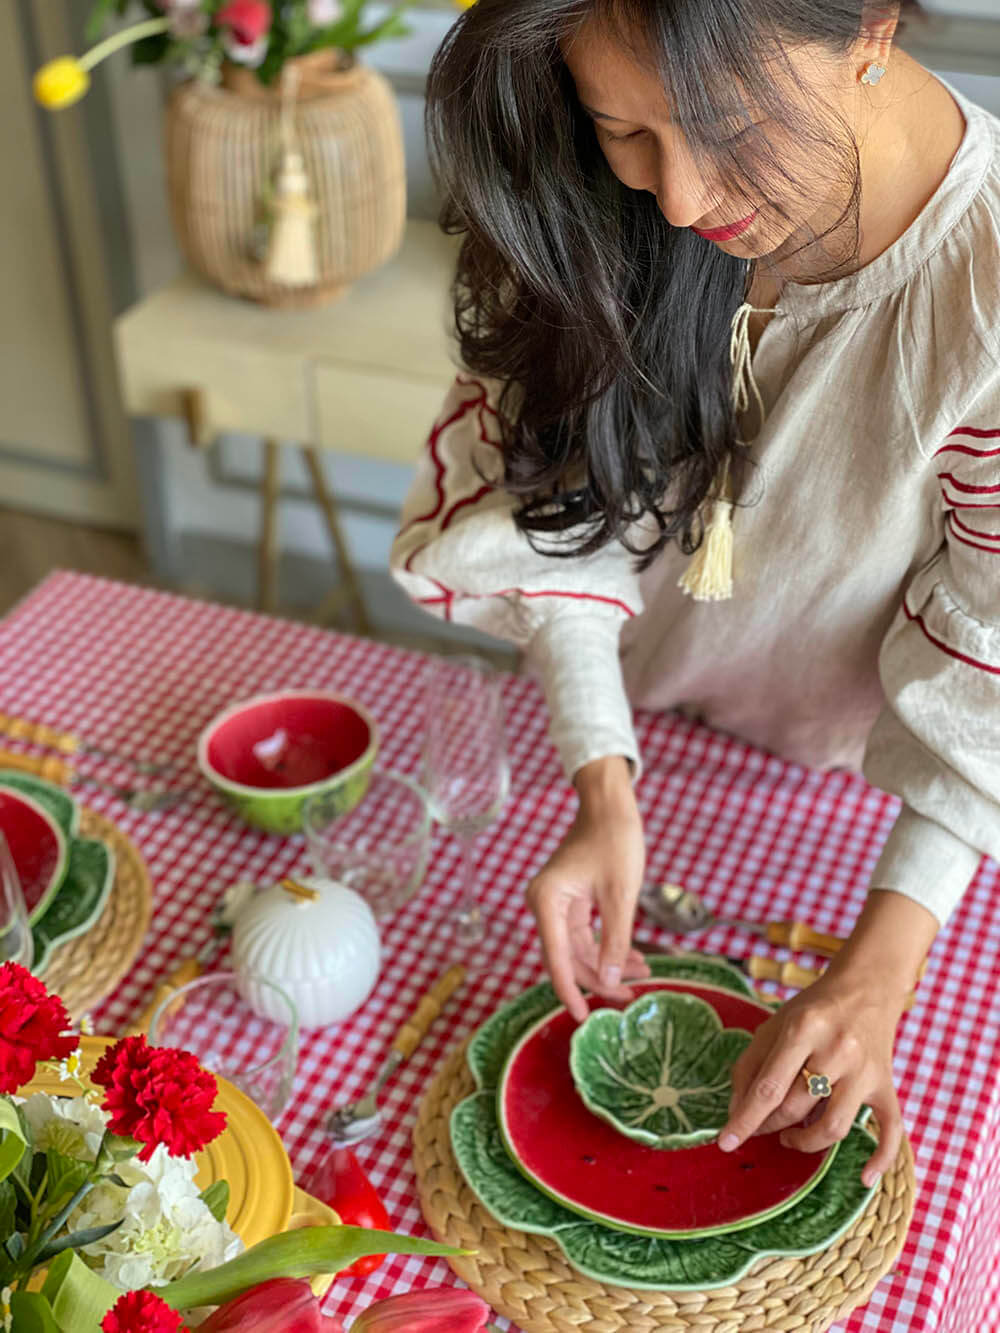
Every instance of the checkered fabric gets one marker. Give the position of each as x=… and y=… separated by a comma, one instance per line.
x=141, y=672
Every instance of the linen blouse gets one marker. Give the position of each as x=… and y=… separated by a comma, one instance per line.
x=864, y=626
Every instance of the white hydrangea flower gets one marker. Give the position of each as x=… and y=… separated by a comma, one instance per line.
x=168, y=1229
x=72, y=1125
x=8, y=1318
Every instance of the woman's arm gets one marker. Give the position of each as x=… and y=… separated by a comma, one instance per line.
x=885, y=950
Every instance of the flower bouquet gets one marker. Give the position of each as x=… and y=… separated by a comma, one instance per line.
x=102, y=1225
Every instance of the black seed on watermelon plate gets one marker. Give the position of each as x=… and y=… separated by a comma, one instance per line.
x=747, y=1166
x=664, y=1189
x=589, y=1160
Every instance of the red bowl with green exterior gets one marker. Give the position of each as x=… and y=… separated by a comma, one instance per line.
x=267, y=755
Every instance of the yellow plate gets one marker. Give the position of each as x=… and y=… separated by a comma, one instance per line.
x=248, y=1153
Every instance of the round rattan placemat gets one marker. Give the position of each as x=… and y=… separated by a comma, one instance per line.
x=527, y=1278
x=86, y=969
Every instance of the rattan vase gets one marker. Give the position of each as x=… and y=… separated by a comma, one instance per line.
x=223, y=144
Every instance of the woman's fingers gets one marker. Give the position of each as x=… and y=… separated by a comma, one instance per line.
x=765, y=1091
x=551, y=912
x=617, y=908
x=834, y=1124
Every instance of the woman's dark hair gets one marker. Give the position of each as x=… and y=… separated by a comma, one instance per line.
x=609, y=328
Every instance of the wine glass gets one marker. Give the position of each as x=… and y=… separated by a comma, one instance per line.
x=16, y=944
x=466, y=774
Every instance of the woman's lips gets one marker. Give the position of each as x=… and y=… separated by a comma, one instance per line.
x=729, y=232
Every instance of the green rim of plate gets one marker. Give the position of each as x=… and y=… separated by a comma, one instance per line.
x=79, y=902
x=621, y=1258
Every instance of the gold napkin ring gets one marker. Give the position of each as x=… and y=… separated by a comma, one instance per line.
x=819, y=1084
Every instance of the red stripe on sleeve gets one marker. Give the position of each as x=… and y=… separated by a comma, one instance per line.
x=945, y=648
x=964, y=485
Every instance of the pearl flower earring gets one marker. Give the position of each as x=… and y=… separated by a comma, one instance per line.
x=873, y=73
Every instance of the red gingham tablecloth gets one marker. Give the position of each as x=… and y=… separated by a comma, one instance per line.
x=141, y=672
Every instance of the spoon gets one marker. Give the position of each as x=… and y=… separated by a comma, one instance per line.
x=678, y=909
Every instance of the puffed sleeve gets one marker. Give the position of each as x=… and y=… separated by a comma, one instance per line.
x=937, y=742
x=460, y=555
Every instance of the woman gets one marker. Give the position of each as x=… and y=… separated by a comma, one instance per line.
x=689, y=224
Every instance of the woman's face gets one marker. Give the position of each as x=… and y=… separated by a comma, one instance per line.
x=647, y=151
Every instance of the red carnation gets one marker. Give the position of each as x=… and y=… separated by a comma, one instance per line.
x=142, y=1312
x=30, y=1023
x=158, y=1095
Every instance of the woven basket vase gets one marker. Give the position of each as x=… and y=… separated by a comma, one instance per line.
x=223, y=146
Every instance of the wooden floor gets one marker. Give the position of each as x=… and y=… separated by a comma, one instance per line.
x=32, y=546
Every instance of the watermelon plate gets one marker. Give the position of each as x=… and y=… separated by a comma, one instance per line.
x=38, y=847
x=89, y=871
x=585, y=1163
x=811, y=1224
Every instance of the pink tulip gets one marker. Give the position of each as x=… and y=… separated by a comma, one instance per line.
x=434, y=1310
x=282, y=1305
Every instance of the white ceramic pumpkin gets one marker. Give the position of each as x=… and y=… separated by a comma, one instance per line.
x=317, y=940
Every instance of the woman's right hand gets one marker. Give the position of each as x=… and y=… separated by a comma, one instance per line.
x=598, y=865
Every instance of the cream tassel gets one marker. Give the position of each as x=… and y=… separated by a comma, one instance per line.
x=291, y=248
x=709, y=573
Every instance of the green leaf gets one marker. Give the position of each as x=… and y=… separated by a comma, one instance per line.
x=391, y=26
x=13, y=1140
x=216, y=1196
x=8, y=1207
x=99, y=16
x=78, y=1297
x=76, y=1240
x=299, y=1253
x=151, y=50
x=66, y=1175
x=14, y=1245
x=32, y=1313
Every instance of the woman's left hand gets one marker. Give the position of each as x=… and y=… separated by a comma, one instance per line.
x=839, y=1026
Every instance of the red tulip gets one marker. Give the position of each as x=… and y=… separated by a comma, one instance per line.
x=435, y=1310
x=283, y=1305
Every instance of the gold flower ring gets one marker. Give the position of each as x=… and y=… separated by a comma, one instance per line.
x=819, y=1084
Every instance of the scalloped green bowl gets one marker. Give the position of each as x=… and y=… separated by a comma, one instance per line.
x=658, y=1071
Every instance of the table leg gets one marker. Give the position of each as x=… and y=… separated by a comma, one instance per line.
x=351, y=591
x=267, y=555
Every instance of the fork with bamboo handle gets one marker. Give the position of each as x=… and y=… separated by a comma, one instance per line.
x=790, y=974
x=358, y=1119
x=64, y=742
x=63, y=774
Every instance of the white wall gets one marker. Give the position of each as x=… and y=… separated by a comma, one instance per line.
x=190, y=499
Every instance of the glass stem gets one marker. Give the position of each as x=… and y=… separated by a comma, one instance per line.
x=469, y=914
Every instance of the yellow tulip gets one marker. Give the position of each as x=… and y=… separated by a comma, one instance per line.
x=66, y=79
x=61, y=83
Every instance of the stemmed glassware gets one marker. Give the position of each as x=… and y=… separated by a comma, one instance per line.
x=465, y=773
x=16, y=944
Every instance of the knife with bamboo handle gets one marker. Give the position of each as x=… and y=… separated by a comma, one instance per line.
x=64, y=742
x=63, y=774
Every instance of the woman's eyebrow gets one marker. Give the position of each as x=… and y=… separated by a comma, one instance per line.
x=603, y=115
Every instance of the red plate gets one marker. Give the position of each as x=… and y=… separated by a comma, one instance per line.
x=584, y=1163
x=38, y=846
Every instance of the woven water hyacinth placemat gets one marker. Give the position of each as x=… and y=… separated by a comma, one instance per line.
x=527, y=1279
x=86, y=969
